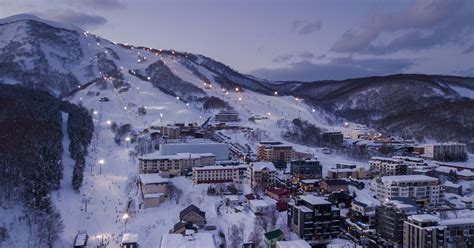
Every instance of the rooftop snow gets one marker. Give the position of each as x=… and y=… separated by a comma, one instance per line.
x=259, y=203
x=258, y=166
x=157, y=155
x=407, y=178
x=152, y=178
x=460, y=221
x=196, y=240
x=219, y=167
x=314, y=200
x=424, y=217
x=130, y=238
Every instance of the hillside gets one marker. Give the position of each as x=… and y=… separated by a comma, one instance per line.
x=65, y=60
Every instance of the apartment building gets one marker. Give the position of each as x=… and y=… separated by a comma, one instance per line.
x=390, y=216
x=424, y=189
x=422, y=230
x=219, y=174
x=362, y=215
x=348, y=171
x=445, y=151
x=275, y=152
x=153, y=188
x=306, y=169
x=173, y=164
x=387, y=166
x=313, y=219
x=261, y=174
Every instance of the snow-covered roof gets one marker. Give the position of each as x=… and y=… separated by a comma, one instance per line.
x=183, y=155
x=259, y=203
x=424, y=218
x=407, y=178
x=155, y=195
x=386, y=159
x=258, y=166
x=314, y=200
x=466, y=173
x=220, y=150
x=152, y=178
x=81, y=239
x=129, y=238
x=197, y=240
x=310, y=180
x=220, y=167
x=460, y=221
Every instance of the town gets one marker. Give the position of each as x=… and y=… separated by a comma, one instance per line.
x=272, y=195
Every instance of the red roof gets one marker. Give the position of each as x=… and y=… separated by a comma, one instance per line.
x=281, y=206
x=278, y=191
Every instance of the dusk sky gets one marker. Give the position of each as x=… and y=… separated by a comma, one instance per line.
x=286, y=40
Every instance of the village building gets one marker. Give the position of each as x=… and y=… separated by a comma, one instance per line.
x=424, y=189
x=261, y=174
x=314, y=219
x=154, y=189
x=305, y=169
x=219, y=174
x=271, y=151
x=172, y=165
x=333, y=185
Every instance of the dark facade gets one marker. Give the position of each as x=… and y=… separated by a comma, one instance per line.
x=306, y=169
x=314, y=219
x=390, y=217
x=334, y=138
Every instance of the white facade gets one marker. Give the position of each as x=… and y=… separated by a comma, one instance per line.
x=420, y=187
x=387, y=166
x=261, y=174
x=219, y=174
x=173, y=164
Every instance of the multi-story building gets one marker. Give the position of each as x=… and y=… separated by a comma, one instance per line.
x=445, y=151
x=348, y=171
x=171, y=132
x=362, y=215
x=227, y=116
x=422, y=230
x=314, y=219
x=153, y=188
x=261, y=174
x=173, y=164
x=390, y=217
x=306, y=169
x=333, y=138
x=219, y=174
x=424, y=189
x=275, y=152
x=387, y=166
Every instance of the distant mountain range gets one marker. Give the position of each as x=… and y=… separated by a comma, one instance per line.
x=62, y=59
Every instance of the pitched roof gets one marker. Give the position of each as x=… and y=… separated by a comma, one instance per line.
x=333, y=182
x=191, y=208
x=273, y=234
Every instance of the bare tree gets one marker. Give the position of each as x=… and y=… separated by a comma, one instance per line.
x=50, y=226
x=236, y=236
x=256, y=234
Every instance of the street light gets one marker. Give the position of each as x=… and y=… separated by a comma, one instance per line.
x=96, y=113
x=237, y=89
x=101, y=162
x=109, y=122
x=128, y=140
x=275, y=93
x=125, y=217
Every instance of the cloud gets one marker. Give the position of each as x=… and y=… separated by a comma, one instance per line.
x=423, y=25
x=305, y=27
x=304, y=55
x=337, y=69
x=72, y=17
x=100, y=4
x=469, y=49
x=322, y=56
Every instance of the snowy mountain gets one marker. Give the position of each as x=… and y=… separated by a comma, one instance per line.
x=70, y=62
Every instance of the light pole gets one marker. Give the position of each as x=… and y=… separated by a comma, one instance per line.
x=128, y=140
x=125, y=217
x=101, y=162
